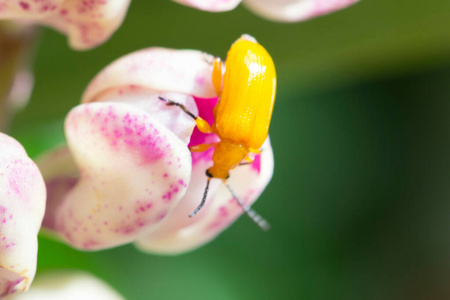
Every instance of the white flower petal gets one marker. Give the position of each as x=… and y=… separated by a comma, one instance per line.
x=28, y=9
x=60, y=174
x=180, y=71
x=68, y=286
x=179, y=233
x=146, y=100
x=22, y=205
x=87, y=23
x=295, y=10
x=133, y=171
x=211, y=5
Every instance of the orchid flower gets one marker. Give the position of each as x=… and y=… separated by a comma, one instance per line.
x=68, y=285
x=127, y=175
x=87, y=23
x=22, y=205
x=276, y=10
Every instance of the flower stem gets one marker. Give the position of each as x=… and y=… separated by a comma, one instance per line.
x=16, y=48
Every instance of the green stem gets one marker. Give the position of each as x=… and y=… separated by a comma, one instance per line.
x=16, y=49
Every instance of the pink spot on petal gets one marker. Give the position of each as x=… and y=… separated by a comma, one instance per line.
x=167, y=197
x=200, y=80
x=24, y=5
x=223, y=212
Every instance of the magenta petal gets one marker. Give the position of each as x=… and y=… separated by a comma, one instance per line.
x=205, y=111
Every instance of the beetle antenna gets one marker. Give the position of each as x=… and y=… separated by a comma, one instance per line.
x=173, y=103
x=203, y=200
x=253, y=215
x=202, y=125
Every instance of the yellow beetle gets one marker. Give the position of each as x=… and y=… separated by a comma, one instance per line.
x=246, y=95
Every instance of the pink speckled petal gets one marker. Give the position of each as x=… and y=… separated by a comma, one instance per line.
x=68, y=285
x=179, y=233
x=148, y=101
x=28, y=9
x=86, y=23
x=295, y=10
x=211, y=5
x=22, y=205
x=59, y=168
x=133, y=171
x=89, y=23
x=181, y=71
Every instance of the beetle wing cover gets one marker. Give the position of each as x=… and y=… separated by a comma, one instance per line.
x=244, y=111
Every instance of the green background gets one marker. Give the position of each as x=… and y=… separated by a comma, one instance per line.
x=359, y=199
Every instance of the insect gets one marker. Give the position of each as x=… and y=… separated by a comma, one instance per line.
x=246, y=95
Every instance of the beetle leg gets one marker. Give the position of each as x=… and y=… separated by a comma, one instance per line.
x=248, y=160
x=201, y=147
x=256, y=151
x=217, y=76
x=202, y=125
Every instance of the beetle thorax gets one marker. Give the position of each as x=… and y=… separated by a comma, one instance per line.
x=227, y=155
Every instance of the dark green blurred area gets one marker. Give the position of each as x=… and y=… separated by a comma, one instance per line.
x=361, y=135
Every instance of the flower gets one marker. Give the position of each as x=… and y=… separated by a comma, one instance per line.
x=87, y=23
x=276, y=10
x=127, y=175
x=68, y=285
x=22, y=205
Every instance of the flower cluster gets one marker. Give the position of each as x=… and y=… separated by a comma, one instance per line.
x=126, y=174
